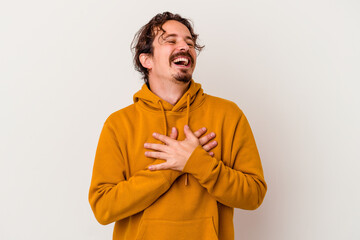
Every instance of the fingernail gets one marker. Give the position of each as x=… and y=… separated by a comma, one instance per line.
x=213, y=134
x=173, y=129
x=151, y=167
x=154, y=134
x=145, y=145
x=204, y=128
x=186, y=126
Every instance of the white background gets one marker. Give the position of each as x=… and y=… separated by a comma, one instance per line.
x=292, y=66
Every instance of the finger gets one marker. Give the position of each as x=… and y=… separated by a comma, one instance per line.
x=165, y=139
x=205, y=139
x=156, y=146
x=158, y=155
x=200, y=132
x=211, y=154
x=209, y=146
x=159, y=166
x=188, y=133
x=174, y=133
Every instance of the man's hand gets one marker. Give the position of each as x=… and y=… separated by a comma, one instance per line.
x=176, y=153
x=204, y=140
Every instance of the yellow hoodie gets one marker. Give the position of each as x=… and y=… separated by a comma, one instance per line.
x=194, y=204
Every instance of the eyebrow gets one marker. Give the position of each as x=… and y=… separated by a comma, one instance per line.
x=175, y=35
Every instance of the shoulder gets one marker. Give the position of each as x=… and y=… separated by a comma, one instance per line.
x=121, y=115
x=223, y=105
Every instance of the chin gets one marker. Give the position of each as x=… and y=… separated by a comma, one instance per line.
x=183, y=77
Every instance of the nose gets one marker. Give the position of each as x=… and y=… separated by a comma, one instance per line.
x=183, y=46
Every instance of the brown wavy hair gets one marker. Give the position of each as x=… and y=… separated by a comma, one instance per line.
x=144, y=38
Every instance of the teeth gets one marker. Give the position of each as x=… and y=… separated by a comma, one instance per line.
x=185, y=60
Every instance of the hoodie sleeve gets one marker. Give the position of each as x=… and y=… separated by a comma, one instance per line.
x=240, y=185
x=111, y=196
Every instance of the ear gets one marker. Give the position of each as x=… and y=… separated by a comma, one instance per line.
x=145, y=60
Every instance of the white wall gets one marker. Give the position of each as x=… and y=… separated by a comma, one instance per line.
x=292, y=66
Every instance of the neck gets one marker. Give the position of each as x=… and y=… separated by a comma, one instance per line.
x=170, y=91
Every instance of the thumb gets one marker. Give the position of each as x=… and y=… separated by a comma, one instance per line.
x=158, y=166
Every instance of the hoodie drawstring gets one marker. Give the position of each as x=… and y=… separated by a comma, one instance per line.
x=187, y=123
x=163, y=111
x=187, y=108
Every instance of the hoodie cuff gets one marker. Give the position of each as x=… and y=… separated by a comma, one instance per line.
x=169, y=175
x=200, y=163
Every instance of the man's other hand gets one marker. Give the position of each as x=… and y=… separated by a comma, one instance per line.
x=176, y=153
x=204, y=140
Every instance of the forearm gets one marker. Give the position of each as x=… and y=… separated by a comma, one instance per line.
x=111, y=202
x=231, y=187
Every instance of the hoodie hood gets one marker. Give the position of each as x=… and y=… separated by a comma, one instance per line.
x=193, y=97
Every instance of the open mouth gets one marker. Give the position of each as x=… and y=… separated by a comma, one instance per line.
x=182, y=61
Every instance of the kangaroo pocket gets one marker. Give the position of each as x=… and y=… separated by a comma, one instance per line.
x=195, y=229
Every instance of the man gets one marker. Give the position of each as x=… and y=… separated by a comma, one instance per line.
x=152, y=175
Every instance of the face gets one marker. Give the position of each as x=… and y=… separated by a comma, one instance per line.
x=174, y=55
